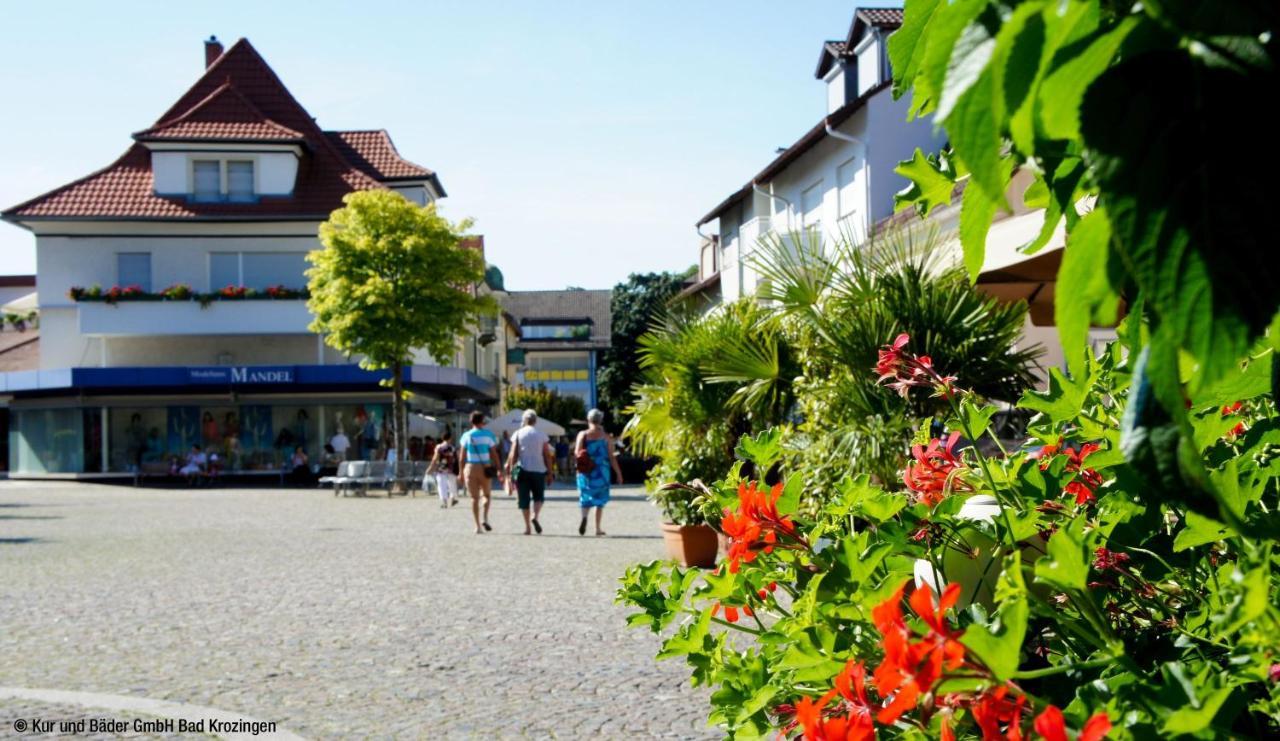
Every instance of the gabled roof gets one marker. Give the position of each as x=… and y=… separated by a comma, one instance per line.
x=795, y=151
x=374, y=153
x=238, y=98
x=225, y=115
x=886, y=19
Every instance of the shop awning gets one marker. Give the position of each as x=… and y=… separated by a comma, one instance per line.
x=1033, y=279
x=447, y=382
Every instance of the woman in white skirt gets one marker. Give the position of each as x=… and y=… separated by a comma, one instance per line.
x=444, y=467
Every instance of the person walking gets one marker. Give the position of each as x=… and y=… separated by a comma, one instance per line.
x=595, y=458
x=480, y=451
x=444, y=466
x=531, y=464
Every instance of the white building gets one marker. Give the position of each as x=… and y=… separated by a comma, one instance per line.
x=222, y=195
x=838, y=177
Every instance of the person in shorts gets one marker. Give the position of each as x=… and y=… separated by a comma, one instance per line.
x=480, y=454
x=444, y=467
x=531, y=463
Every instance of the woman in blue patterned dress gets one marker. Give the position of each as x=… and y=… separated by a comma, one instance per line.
x=593, y=486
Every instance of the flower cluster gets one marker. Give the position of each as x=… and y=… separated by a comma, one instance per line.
x=1084, y=486
x=757, y=526
x=936, y=471
x=1231, y=410
x=230, y=291
x=177, y=292
x=905, y=370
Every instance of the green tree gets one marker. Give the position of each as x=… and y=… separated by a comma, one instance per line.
x=392, y=278
x=637, y=305
x=550, y=404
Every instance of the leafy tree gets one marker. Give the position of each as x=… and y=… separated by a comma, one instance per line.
x=550, y=404
x=637, y=305
x=392, y=278
x=1144, y=108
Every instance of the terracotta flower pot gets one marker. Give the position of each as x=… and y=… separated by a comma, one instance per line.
x=691, y=545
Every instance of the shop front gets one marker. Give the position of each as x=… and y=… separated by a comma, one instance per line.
x=92, y=422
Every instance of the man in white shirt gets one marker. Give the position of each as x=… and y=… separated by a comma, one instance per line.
x=340, y=444
x=533, y=460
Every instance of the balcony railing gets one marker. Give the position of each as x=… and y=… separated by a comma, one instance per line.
x=136, y=318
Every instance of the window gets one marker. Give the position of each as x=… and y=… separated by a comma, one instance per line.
x=240, y=181
x=134, y=269
x=556, y=332
x=811, y=207
x=224, y=270
x=222, y=180
x=206, y=180
x=257, y=269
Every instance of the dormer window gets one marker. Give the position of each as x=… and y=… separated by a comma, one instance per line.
x=222, y=180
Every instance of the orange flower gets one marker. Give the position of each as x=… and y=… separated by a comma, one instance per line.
x=994, y=709
x=1051, y=727
x=911, y=669
x=757, y=524
x=937, y=470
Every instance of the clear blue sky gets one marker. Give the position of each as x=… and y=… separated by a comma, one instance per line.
x=585, y=138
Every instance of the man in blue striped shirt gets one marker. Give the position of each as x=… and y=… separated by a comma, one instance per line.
x=480, y=455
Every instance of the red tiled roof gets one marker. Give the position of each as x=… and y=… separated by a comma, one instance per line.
x=237, y=84
x=225, y=115
x=373, y=152
x=883, y=17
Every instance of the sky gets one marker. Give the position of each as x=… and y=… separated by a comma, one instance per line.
x=585, y=138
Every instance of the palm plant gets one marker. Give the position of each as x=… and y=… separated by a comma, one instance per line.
x=706, y=381
x=840, y=303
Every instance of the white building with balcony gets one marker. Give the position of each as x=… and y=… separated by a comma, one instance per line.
x=171, y=291
x=838, y=178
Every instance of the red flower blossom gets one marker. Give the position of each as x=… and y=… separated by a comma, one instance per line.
x=1105, y=560
x=756, y=526
x=1085, y=486
x=1051, y=727
x=850, y=720
x=909, y=669
x=908, y=370
x=937, y=471
x=993, y=709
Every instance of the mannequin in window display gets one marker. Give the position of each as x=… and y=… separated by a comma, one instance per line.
x=153, y=448
x=135, y=436
x=231, y=447
x=209, y=429
x=231, y=426
x=300, y=428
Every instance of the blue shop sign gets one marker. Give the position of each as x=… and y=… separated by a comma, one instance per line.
x=242, y=374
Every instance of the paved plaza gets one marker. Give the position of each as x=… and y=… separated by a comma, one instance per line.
x=333, y=617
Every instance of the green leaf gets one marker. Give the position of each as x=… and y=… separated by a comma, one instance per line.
x=1066, y=563
x=1199, y=530
x=1086, y=292
x=907, y=45
x=1064, y=88
x=763, y=450
x=930, y=188
x=1197, y=715
x=789, y=500
x=1063, y=24
x=1251, y=601
x=689, y=639
x=871, y=501
x=977, y=210
x=976, y=140
x=944, y=28
x=999, y=643
x=1062, y=401
x=1252, y=379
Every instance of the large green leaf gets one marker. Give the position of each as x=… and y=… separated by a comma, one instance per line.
x=999, y=643
x=1066, y=563
x=1065, y=86
x=1186, y=219
x=907, y=45
x=1062, y=400
x=1086, y=292
x=977, y=210
x=930, y=188
x=944, y=28
x=1198, y=531
x=1063, y=24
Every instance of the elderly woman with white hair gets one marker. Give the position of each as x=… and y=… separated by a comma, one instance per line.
x=596, y=458
x=530, y=463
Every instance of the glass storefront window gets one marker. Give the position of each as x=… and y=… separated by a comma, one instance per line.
x=47, y=440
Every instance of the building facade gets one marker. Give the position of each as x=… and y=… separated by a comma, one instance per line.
x=555, y=339
x=172, y=291
x=837, y=180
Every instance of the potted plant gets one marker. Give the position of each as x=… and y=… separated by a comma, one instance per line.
x=688, y=537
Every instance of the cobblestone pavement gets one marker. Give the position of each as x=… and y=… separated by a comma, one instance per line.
x=335, y=617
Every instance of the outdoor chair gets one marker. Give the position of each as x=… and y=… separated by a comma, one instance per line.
x=400, y=477
x=356, y=470
x=375, y=477
x=343, y=472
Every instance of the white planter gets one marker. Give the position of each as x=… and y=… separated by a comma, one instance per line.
x=974, y=570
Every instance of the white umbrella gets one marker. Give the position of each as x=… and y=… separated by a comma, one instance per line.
x=511, y=421
x=420, y=425
x=22, y=305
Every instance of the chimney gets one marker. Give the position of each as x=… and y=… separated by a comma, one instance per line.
x=212, y=50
